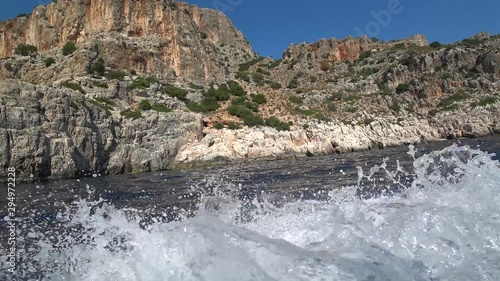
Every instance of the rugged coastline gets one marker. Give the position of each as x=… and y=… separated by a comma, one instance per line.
x=266, y=143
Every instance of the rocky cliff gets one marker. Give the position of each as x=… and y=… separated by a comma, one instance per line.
x=348, y=49
x=54, y=132
x=360, y=94
x=153, y=85
x=155, y=37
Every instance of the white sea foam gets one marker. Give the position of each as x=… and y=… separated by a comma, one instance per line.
x=444, y=226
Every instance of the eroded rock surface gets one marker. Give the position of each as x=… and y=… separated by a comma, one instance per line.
x=53, y=132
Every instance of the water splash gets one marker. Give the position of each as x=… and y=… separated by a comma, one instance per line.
x=441, y=222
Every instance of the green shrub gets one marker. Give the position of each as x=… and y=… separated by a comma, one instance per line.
x=246, y=66
x=143, y=82
x=25, y=50
x=101, y=85
x=235, y=88
x=275, y=64
x=435, y=45
x=452, y=107
x=294, y=83
x=315, y=114
x=386, y=91
x=68, y=48
x=352, y=109
x=105, y=104
x=367, y=71
x=402, y=88
x=396, y=107
x=233, y=126
x=196, y=107
x=470, y=42
x=484, y=102
x=209, y=104
x=172, y=5
x=252, y=106
x=448, y=102
x=194, y=86
x=472, y=74
x=106, y=101
x=352, y=98
x=8, y=66
x=220, y=94
x=252, y=120
x=107, y=108
x=136, y=114
x=116, y=75
x=219, y=126
x=275, y=85
x=337, y=96
x=257, y=77
x=296, y=100
x=239, y=110
x=160, y=107
x=325, y=66
x=365, y=55
x=259, y=99
x=99, y=67
x=277, y=124
x=368, y=121
x=145, y=105
x=331, y=107
x=73, y=86
x=175, y=92
x=203, y=35
x=447, y=75
x=133, y=72
x=409, y=62
x=399, y=46
x=238, y=101
x=49, y=61
x=243, y=76
x=262, y=71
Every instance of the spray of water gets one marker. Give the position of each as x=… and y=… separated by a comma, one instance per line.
x=437, y=222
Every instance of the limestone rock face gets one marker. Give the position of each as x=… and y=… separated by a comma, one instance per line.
x=327, y=138
x=348, y=49
x=157, y=37
x=319, y=139
x=53, y=132
x=62, y=119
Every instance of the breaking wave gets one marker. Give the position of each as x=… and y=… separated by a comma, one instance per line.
x=439, y=221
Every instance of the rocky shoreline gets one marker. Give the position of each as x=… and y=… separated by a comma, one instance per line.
x=52, y=133
x=226, y=146
x=49, y=132
x=131, y=87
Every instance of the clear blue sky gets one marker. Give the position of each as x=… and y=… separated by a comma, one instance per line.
x=271, y=25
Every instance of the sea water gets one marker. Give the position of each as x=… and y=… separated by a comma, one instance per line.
x=434, y=217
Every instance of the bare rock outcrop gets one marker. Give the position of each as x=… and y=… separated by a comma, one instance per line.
x=319, y=139
x=53, y=132
x=155, y=37
x=348, y=49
